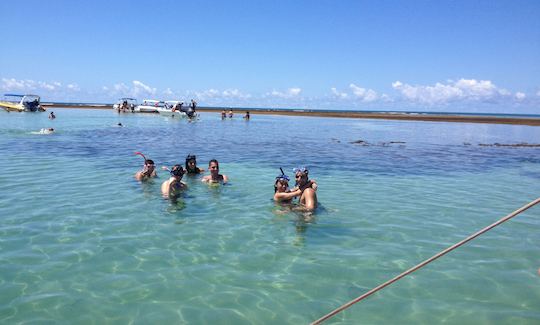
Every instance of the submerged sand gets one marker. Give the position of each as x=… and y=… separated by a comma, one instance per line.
x=355, y=114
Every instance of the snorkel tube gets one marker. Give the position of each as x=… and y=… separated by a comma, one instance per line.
x=141, y=154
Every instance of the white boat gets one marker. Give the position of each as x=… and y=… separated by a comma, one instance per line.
x=21, y=103
x=125, y=105
x=172, y=108
x=150, y=106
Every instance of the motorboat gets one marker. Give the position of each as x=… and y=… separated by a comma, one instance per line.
x=125, y=104
x=150, y=106
x=21, y=103
x=172, y=108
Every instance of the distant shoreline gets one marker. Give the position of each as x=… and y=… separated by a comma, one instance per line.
x=403, y=116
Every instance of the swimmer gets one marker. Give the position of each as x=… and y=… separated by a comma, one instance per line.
x=281, y=190
x=215, y=176
x=119, y=124
x=52, y=116
x=148, y=171
x=46, y=131
x=307, y=187
x=172, y=187
x=191, y=165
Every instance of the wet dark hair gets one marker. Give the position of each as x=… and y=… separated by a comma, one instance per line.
x=189, y=169
x=213, y=161
x=279, y=180
x=177, y=170
x=149, y=161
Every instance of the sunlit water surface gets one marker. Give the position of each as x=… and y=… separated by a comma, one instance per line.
x=82, y=242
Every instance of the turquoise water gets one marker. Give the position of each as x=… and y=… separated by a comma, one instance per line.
x=82, y=242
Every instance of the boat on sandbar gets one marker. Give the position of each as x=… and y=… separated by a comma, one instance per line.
x=172, y=108
x=125, y=104
x=149, y=106
x=21, y=103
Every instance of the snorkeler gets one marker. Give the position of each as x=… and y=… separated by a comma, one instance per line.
x=46, y=131
x=148, y=170
x=281, y=189
x=172, y=187
x=191, y=165
x=307, y=187
x=215, y=176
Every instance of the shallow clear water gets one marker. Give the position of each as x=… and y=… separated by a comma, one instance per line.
x=82, y=242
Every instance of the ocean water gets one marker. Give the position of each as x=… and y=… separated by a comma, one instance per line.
x=82, y=242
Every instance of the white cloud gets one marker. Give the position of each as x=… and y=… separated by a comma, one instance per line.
x=367, y=95
x=73, y=87
x=463, y=89
x=338, y=94
x=168, y=92
x=520, y=96
x=140, y=88
x=235, y=93
x=289, y=93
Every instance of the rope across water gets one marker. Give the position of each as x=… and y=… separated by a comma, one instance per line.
x=429, y=260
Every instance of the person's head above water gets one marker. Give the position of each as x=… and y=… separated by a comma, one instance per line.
x=177, y=171
x=282, y=183
x=301, y=175
x=191, y=164
x=213, y=165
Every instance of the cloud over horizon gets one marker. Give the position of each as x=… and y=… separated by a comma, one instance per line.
x=440, y=95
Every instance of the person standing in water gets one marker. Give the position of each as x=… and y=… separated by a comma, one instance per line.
x=281, y=190
x=215, y=176
x=308, y=188
x=223, y=114
x=191, y=165
x=52, y=116
x=246, y=117
x=148, y=171
x=172, y=187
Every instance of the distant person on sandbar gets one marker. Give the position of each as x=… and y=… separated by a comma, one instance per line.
x=191, y=165
x=52, y=116
x=246, y=117
x=223, y=114
x=282, y=193
x=215, y=176
x=230, y=113
x=172, y=187
x=307, y=187
x=148, y=171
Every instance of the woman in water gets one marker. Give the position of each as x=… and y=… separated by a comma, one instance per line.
x=281, y=190
x=191, y=165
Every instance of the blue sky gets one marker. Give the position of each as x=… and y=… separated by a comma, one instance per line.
x=469, y=56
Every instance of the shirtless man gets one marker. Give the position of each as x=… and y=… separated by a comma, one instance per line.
x=172, y=187
x=147, y=172
x=307, y=187
x=215, y=176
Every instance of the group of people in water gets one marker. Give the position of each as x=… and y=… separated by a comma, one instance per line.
x=305, y=189
x=231, y=114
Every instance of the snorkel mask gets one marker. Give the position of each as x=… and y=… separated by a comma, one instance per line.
x=177, y=171
x=302, y=170
x=280, y=178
